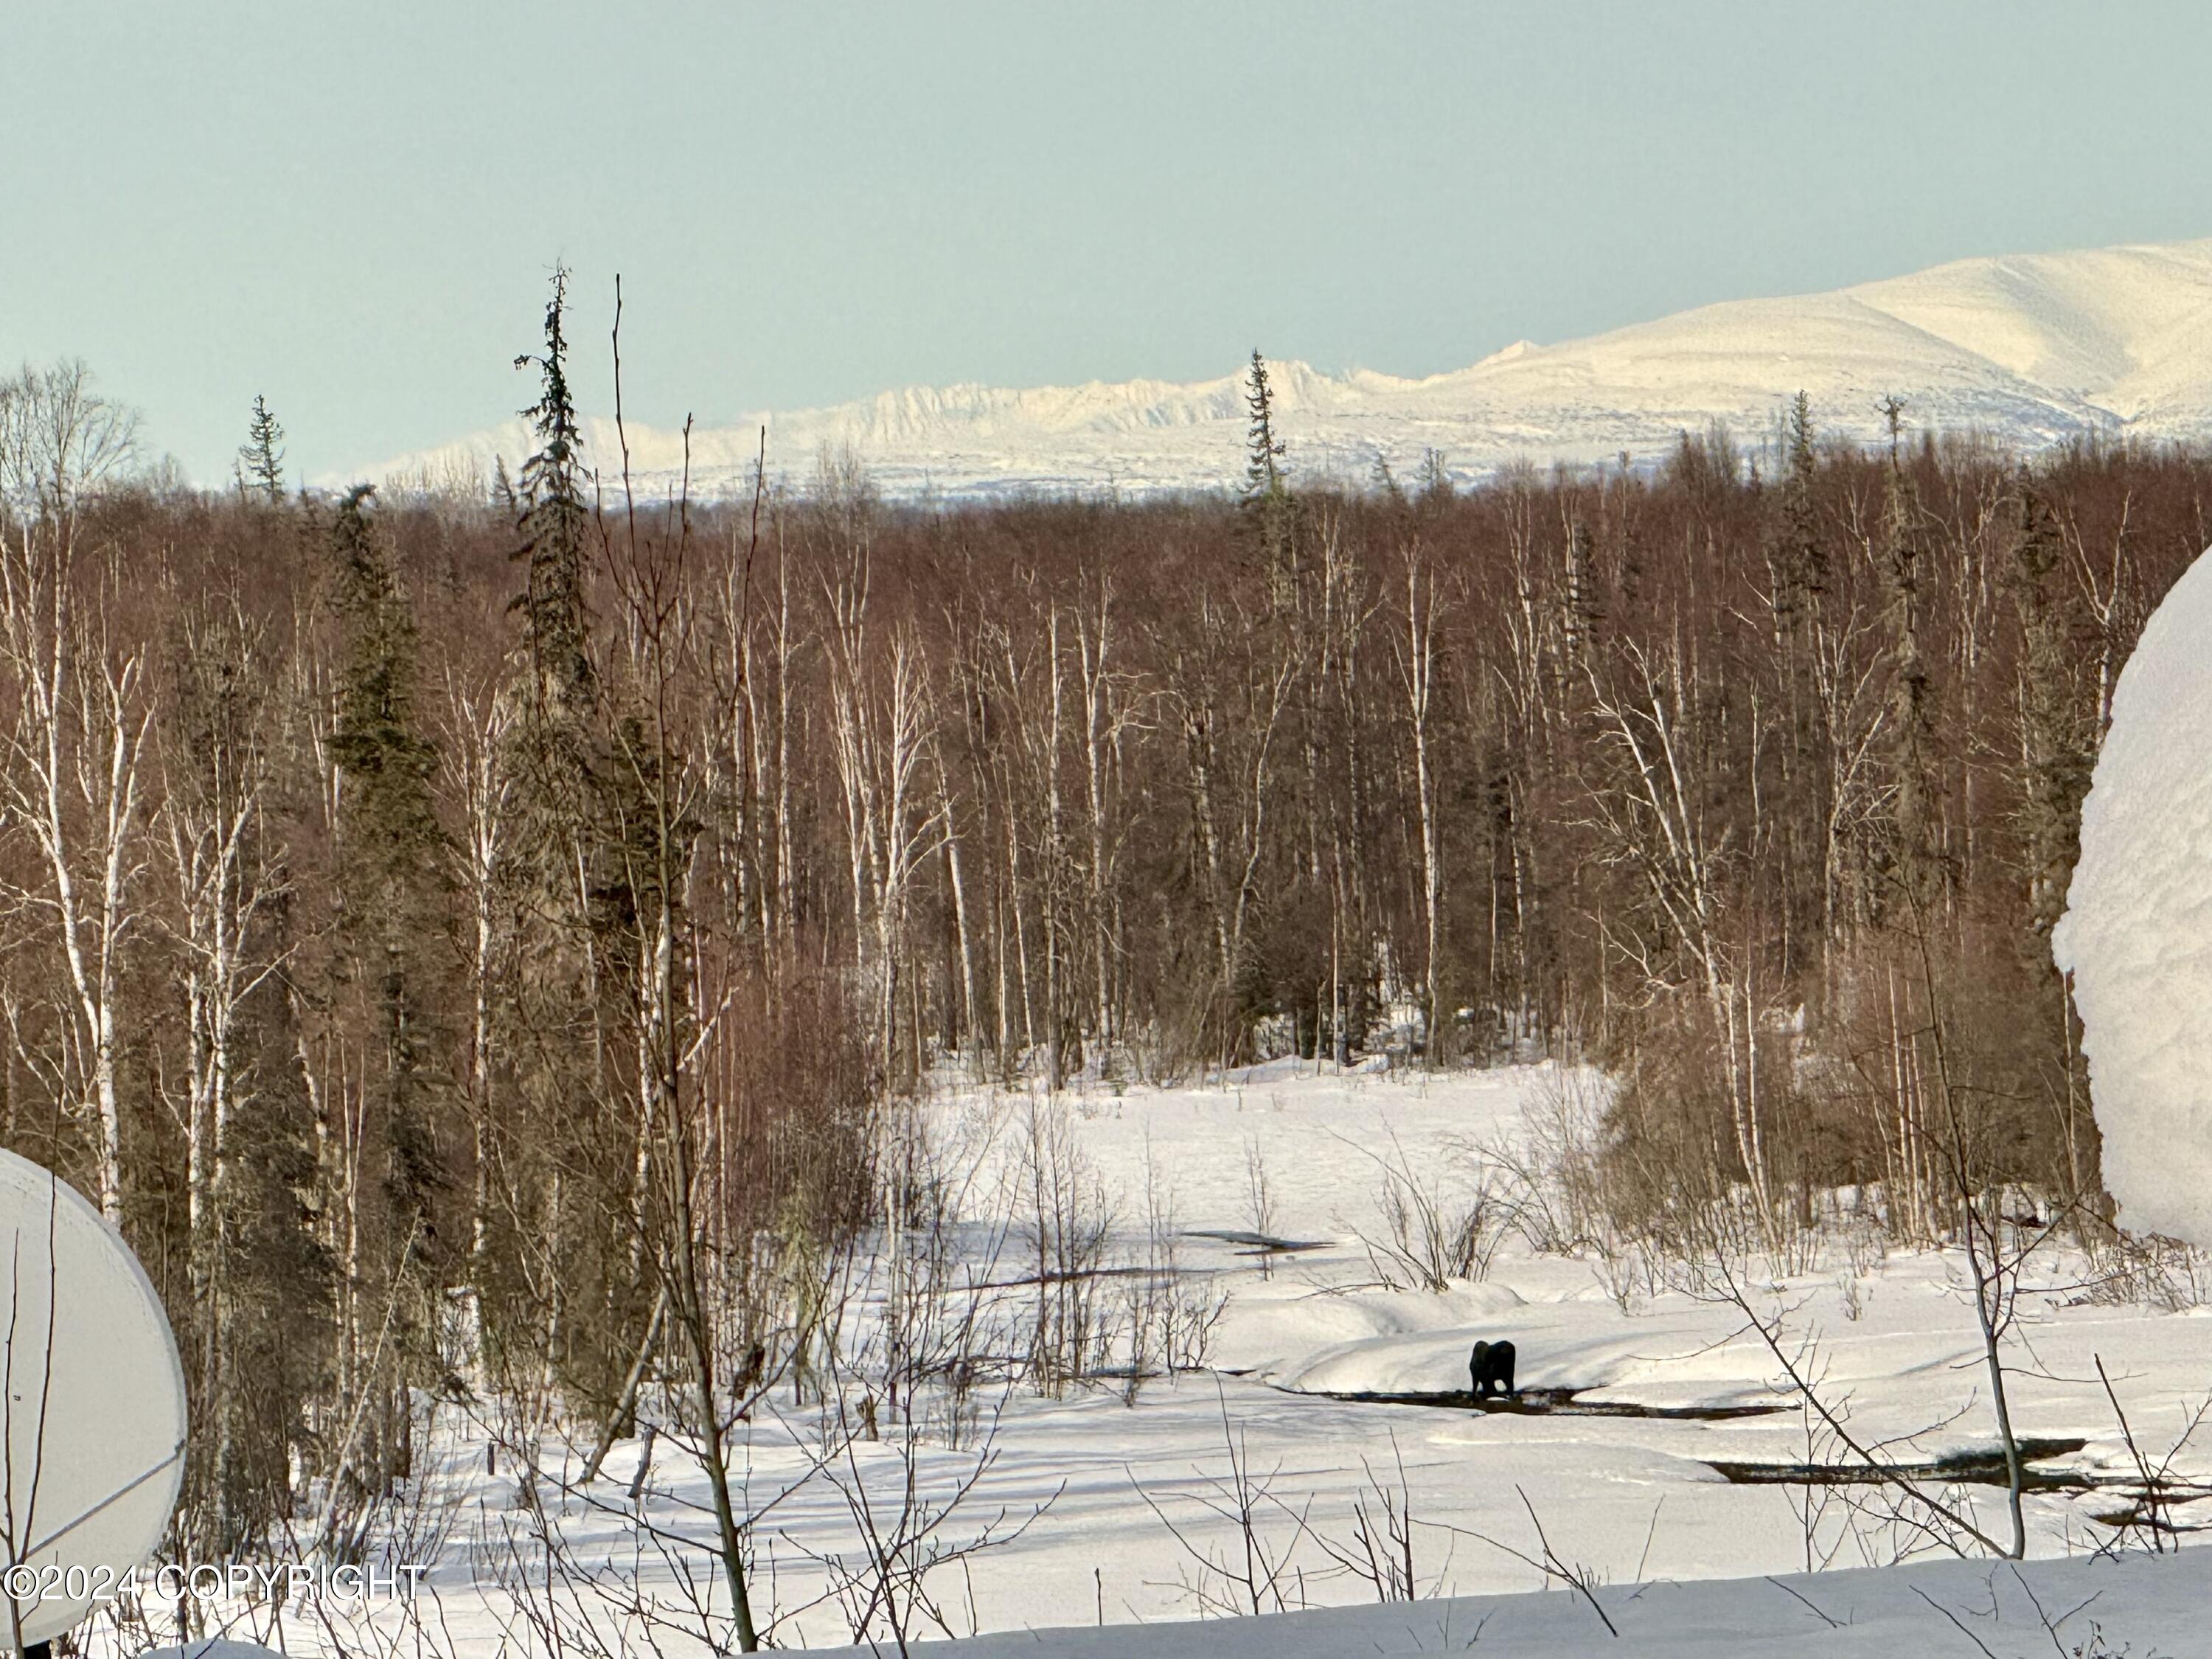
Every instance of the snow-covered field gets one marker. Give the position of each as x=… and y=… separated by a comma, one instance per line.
x=1631, y=1498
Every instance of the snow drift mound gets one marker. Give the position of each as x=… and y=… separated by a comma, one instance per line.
x=2137, y=931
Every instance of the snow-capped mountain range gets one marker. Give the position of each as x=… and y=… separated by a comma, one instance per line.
x=2030, y=348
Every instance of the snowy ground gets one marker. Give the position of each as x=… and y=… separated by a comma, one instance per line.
x=1631, y=1499
x=2139, y=1607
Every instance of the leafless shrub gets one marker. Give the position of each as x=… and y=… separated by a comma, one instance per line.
x=1254, y=1571
x=1380, y=1548
x=1930, y=1515
x=1066, y=1227
x=1170, y=1312
x=1852, y=1295
x=2149, y=1520
x=909, y=1530
x=1433, y=1229
x=2149, y=1270
x=1575, y=1575
x=1865, y=1248
x=1554, y=1164
x=666, y=1589
x=1259, y=1202
x=1628, y=1270
x=946, y=1322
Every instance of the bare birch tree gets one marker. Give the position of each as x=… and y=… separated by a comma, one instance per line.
x=78, y=733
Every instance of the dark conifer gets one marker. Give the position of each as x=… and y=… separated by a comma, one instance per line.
x=1266, y=488
x=1912, y=689
x=2057, y=741
x=1436, y=490
x=261, y=456
x=1263, y=463
x=1797, y=576
x=555, y=525
x=389, y=843
x=1386, y=482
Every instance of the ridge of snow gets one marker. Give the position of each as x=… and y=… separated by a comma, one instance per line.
x=2135, y=1605
x=2030, y=350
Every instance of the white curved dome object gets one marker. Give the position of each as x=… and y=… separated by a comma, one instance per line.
x=93, y=1409
x=2137, y=931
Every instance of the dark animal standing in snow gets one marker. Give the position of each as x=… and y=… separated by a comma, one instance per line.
x=1491, y=1362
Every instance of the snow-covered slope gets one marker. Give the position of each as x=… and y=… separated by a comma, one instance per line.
x=2137, y=931
x=2030, y=348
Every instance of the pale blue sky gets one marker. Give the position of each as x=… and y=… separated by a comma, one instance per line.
x=353, y=208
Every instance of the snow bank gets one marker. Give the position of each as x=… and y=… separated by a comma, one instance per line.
x=2137, y=931
x=2138, y=1605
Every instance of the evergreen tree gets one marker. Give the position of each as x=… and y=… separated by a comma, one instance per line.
x=1264, y=484
x=1802, y=562
x=2058, y=743
x=1911, y=691
x=261, y=456
x=1267, y=489
x=386, y=763
x=566, y=884
x=1385, y=481
x=1797, y=576
x=551, y=756
x=555, y=527
x=389, y=843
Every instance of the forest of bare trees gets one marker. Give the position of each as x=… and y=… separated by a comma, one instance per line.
x=477, y=933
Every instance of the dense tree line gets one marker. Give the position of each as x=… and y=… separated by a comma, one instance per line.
x=460, y=939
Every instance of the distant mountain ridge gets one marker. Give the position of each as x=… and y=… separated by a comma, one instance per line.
x=2030, y=348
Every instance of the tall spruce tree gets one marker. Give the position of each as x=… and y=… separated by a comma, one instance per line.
x=579, y=1159
x=261, y=456
x=1916, y=857
x=1267, y=497
x=1263, y=459
x=555, y=525
x=2058, y=723
x=1797, y=576
x=552, y=750
x=389, y=845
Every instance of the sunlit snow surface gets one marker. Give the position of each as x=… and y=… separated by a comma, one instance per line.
x=2138, y=932
x=2027, y=350
x=1635, y=1499
x=2136, y=1608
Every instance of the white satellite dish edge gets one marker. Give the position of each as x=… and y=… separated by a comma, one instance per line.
x=91, y=1407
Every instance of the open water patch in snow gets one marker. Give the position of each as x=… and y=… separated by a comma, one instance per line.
x=1541, y=1402
x=1257, y=1243
x=1980, y=1468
